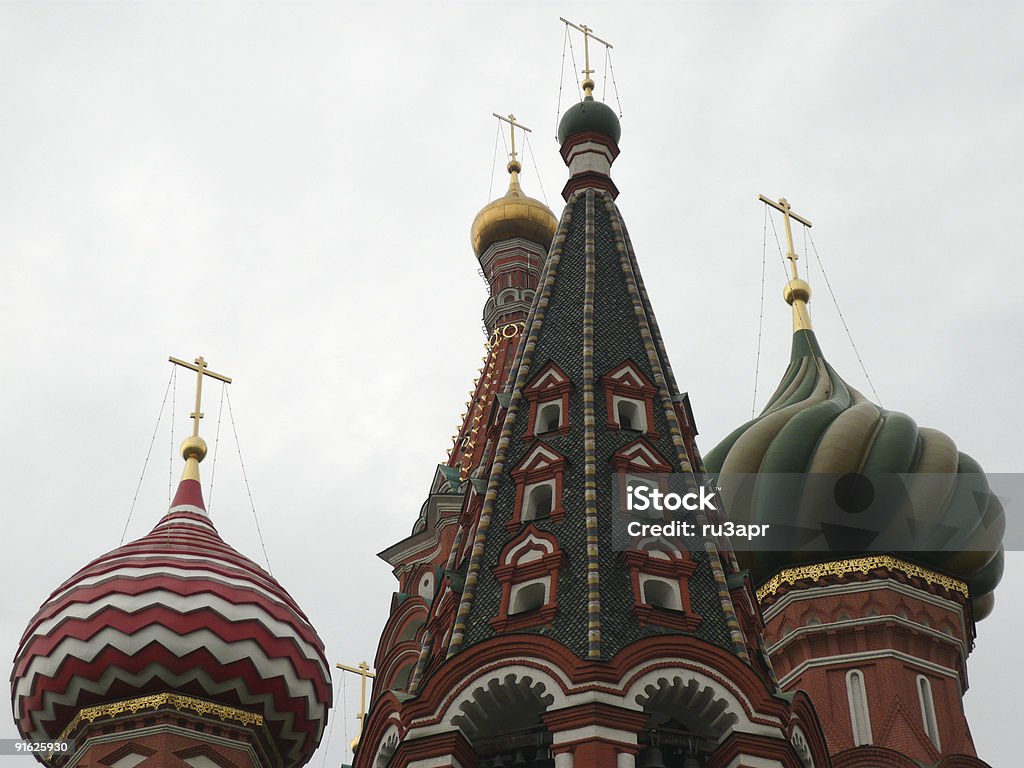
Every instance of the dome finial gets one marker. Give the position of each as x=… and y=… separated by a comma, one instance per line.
x=797, y=292
x=588, y=83
x=514, y=166
x=193, y=447
x=515, y=214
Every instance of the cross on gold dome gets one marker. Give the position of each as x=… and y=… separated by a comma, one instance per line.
x=588, y=84
x=513, y=164
x=363, y=670
x=797, y=292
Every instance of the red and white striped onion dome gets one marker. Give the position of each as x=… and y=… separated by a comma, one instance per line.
x=177, y=610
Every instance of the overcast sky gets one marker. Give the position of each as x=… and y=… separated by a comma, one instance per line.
x=287, y=189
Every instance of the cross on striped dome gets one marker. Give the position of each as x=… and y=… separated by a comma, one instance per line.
x=177, y=610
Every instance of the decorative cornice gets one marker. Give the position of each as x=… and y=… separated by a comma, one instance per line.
x=158, y=701
x=863, y=565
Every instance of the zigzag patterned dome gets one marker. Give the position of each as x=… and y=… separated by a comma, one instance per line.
x=177, y=610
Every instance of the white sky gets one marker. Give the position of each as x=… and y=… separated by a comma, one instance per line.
x=287, y=189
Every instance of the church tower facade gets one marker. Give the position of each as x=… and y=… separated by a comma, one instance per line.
x=890, y=552
x=523, y=632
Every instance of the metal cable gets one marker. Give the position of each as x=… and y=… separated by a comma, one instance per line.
x=245, y=477
x=216, y=445
x=344, y=713
x=494, y=162
x=604, y=80
x=760, y=321
x=330, y=728
x=849, y=335
x=533, y=163
x=145, y=463
x=170, y=458
x=615, y=86
x=503, y=141
x=575, y=68
x=561, y=79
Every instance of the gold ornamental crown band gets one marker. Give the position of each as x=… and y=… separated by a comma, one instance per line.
x=864, y=565
x=156, y=701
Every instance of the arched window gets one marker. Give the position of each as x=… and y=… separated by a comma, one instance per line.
x=629, y=398
x=410, y=630
x=528, y=597
x=548, y=395
x=931, y=725
x=539, y=500
x=629, y=414
x=859, y=716
x=549, y=417
x=635, y=482
x=401, y=682
x=538, y=486
x=661, y=593
x=528, y=574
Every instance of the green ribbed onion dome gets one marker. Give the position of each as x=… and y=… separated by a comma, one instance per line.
x=816, y=423
x=589, y=115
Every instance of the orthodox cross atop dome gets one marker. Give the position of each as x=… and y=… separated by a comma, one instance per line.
x=514, y=166
x=797, y=292
x=193, y=448
x=363, y=670
x=588, y=83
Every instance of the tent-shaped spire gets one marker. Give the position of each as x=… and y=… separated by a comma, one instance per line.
x=593, y=395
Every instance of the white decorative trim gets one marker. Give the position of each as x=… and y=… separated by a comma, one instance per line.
x=526, y=543
x=753, y=761
x=593, y=732
x=808, y=629
x=855, y=658
x=699, y=673
x=928, y=719
x=860, y=713
x=878, y=585
x=441, y=761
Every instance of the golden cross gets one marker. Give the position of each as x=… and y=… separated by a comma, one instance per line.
x=511, y=120
x=363, y=670
x=588, y=84
x=200, y=369
x=787, y=214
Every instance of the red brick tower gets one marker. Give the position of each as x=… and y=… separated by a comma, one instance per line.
x=510, y=237
x=173, y=651
x=522, y=633
x=890, y=550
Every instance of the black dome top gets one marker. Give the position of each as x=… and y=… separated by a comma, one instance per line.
x=589, y=115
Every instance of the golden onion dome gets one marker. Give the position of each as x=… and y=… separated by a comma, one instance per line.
x=514, y=215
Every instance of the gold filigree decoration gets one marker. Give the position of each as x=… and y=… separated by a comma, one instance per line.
x=501, y=333
x=157, y=701
x=862, y=565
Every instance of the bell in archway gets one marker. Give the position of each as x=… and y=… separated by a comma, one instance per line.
x=653, y=758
